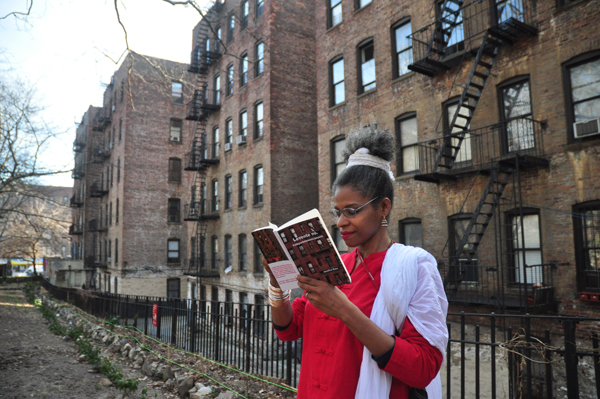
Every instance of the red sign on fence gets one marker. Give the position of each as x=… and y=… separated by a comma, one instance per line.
x=154, y=314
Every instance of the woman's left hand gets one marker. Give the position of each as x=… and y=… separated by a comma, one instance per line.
x=325, y=297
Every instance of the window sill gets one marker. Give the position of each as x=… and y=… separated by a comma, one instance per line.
x=407, y=176
x=259, y=274
x=333, y=27
x=226, y=210
x=174, y=182
x=178, y=142
x=578, y=146
x=173, y=263
x=407, y=75
x=565, y=7
x=259, y=138
x=242, y=207
x=366, y=93
x=260, y=205
x=174, y=223
x=336, y=106
x=229, y=96
x=362, y=8
x=259, y=75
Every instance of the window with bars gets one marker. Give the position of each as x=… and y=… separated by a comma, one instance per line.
x=334, y=13
x=337, y=93
x=259, y=58
x=173, y=250
x=174, y=210
x=243, y=185
x=258, y=185
x=174, y=170
x=401, y=47
x=337, y=160
x=586, y=226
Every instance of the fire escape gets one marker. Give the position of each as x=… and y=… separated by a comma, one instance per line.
x=205, y=150
x=473, y=32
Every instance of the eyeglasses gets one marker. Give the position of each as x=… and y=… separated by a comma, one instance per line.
x=348, y=212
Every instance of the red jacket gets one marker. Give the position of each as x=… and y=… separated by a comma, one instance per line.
x=332, y=355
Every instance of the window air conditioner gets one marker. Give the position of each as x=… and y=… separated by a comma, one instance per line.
x=114, y=107
x=227, y=146
x=587, y=128
x=241, y=140
x=174, y=138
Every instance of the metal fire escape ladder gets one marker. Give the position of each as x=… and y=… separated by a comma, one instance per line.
x=480, y=219
x=480, y=71
x=196, y=156
x=444, y=26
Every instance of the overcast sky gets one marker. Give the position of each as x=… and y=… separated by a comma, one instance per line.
x=69, y=49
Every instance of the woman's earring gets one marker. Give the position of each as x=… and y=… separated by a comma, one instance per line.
x=384, y=223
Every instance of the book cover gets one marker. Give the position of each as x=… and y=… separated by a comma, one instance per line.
x=301, y=246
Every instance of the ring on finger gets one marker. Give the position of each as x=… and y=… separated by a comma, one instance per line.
x=306, y=294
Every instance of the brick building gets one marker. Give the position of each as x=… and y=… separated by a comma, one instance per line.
x=129, y=186
x=504, y=189
x=254, y=158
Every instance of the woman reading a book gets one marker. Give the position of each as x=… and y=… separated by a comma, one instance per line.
x=384, y=334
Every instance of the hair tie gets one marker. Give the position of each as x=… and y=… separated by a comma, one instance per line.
x=362, y=157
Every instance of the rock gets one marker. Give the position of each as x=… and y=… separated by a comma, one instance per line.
x=227, y=395
x=185, y=385
x=170, y=384
x=205, y=391
x=146, y=367
x=167, y=373
x=139, y=361
x=105, y=382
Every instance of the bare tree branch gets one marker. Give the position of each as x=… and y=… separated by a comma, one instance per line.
x=19, y=12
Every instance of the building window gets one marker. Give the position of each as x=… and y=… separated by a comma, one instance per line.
x=177, y=92
x=586, y=224
x=402, y=48
x=215, y=195
x=516, y=113
x=174, y=210
x=228, y=252
x=122, y=94
x=110, y=215
x=215, y=143
x=338, y=240
x=116, y=251
x=218, y=41
x=174, y=170
x=244, y=69
x=119, y=170
x=259, y=7
x=582, y=91
x=173, y=250
x=175, y=134
x=453, y=24
x=525, y=247
x=337, y=159
x=407, y=138
x=358, y=4
x=228, y=307
x=229, y=87
x=258, y=266
x=117, y=212
x=245, y=9
x=173, y=288
x=366, y=60
x=109, y=259
x=259, y=59
x=242, y=252
x=243, y=185
x=214, y=250
x=244, y=311
x=228, y=134
x=228, y=192
x=230, y=27
x=217, y=86
x=244, y=124
x=258, y=185
x=461, y=124
x=461, y=269
x=410, y=232
x=258, y=120
x=120, y=129
x=337, y=94
x=334, y=13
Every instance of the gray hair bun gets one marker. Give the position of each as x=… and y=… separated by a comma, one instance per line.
x=380, y=143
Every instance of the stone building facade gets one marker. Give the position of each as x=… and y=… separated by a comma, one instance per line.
x=133, y=233
x=525, y=139
x=255, y=156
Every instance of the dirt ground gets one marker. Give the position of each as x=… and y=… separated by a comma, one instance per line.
x=35, y=363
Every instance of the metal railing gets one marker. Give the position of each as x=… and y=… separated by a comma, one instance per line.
x=201, y=59
x=204, y=267
x=203, y=103
x=482, y=147
x=75, y=229
x=76, y=201
x=98, y=189
x=477, y=17
x=201, y=156
x=203, y=209
x=488, y=355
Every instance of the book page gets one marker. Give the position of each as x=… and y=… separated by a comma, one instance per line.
x=285, y=273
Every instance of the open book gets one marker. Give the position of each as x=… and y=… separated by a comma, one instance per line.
x=301, y=246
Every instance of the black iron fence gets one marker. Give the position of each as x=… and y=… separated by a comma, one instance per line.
x=488, y=355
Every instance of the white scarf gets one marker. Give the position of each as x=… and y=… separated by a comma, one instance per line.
x=410, y=286
x=362, y=157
